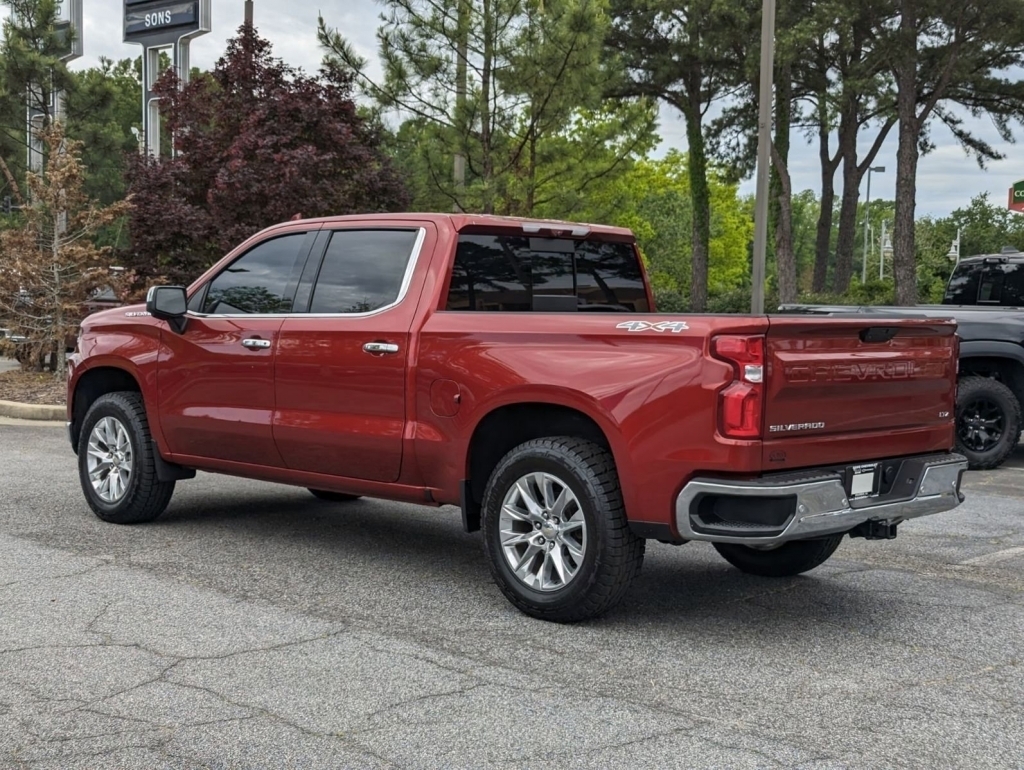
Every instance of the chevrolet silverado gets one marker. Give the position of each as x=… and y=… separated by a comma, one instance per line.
x=516, y=369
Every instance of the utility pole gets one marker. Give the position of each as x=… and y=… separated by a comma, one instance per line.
x=248, y=12
x=764, y=153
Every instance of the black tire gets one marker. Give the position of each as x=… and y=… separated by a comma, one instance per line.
x=613, y=555
x=146, y=497
x=984, y=405
x=787, y=560
x=333, y=497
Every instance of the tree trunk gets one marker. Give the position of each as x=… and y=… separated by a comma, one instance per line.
x=486, y=75
x=700, y=199
x=782, y=199
x=904, y=256
x=848, y=207
x=57, y=322
x=823, y=240
x=12, y=183
x=531, y=172
x=461, y=90
x=785, y=259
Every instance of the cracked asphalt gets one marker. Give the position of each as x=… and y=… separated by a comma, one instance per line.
x=257, y=627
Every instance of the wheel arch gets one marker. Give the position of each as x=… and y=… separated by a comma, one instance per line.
x=505, y=426
x=92, y=384
x=1003, y=361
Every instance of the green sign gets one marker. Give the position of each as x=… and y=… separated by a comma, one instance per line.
x=1016, y=202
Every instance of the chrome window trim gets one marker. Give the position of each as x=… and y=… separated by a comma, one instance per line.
x=403, y=290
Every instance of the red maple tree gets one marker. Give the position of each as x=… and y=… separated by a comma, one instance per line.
x=258, y=143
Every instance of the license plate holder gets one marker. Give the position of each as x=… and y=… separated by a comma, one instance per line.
x=862, y=481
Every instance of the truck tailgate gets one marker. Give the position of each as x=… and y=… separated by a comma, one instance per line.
x=833, y=382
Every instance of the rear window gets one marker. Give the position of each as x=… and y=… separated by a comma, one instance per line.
x=520, y=274
x=362, y=270
x=986, y=284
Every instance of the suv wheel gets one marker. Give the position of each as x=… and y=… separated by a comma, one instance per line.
x=987, y=422
x=555, y=530
x=116, y=462
x=785, y=560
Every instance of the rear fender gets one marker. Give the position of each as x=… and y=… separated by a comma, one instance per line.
x=566, y=398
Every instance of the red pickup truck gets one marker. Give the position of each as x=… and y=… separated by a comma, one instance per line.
x=515, y=368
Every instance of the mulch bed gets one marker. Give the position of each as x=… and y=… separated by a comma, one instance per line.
x=32, y=388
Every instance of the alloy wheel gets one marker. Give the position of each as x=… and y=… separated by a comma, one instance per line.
x=543, y=532
x=109, y=461
x=982, y=424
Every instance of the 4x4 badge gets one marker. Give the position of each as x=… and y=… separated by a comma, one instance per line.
x=664, y=326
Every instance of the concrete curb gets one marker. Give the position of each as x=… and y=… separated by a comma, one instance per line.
x=32, y=411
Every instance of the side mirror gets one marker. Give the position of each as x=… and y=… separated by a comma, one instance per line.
x=168, y=303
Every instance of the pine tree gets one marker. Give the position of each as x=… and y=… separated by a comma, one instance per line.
x=682, y=55
x=499, y=97
x=30, y=62
x=947, y=53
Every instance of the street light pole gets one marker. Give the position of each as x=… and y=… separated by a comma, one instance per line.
x=886, y=251
x=764, y=139
x=867, y=218
x=954, y=250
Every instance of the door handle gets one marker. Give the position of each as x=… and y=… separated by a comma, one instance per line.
x=256, y=344
x=380, y=348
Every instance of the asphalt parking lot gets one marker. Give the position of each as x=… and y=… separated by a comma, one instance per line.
x=256, y=627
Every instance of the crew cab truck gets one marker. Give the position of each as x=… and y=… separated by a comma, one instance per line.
x=515, y=368
x=985, y=296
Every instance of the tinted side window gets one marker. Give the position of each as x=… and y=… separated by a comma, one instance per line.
x=260, y=281
x=507, y=273
x=609, y=274
x=362, y=270
x=490, y=274
x=1001, y=284
x=963, y=285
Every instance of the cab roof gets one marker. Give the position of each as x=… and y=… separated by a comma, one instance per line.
x=469, y=222
x=1007, y=254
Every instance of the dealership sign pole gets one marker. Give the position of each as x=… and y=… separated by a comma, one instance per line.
x=157, y=25
x=39, y=106
x=69, y=28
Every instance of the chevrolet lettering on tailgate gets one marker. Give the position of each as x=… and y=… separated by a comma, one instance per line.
x=862, y=372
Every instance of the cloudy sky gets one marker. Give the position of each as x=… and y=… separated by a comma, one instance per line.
x=947, y=179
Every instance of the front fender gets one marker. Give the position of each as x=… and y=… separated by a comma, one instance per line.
x=133, y=349
x=991, y=349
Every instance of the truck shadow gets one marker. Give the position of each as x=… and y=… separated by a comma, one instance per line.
x=688, y=585
x=428, y=560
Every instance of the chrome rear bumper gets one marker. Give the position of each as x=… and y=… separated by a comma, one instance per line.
x=819, y=501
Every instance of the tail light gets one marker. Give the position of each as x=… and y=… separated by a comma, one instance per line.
x=741, y=404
